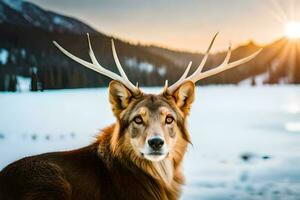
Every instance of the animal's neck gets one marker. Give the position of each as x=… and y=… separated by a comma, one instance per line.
x=163, y=171
x=165, y=174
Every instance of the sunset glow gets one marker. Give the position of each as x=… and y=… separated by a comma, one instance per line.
x=292, y=30
x=183, y=25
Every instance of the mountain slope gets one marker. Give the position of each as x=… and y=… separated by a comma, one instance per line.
x=27, y=14
x=26, y=50
x=28, y=47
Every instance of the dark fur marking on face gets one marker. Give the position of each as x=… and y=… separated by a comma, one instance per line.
x=134, y=132
x=153, y=103
x=124, y=119
x=172, y=132
x=123, y=125
x=152, y=98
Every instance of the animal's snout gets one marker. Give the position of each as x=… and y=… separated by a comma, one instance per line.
x=156, y=143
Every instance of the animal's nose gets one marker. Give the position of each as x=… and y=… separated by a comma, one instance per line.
x=156, y=143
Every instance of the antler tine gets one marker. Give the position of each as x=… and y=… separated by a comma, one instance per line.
x=184, y=75
x=79, y=60
x=166, y=83
x=123, y=75
x=228, y=66
x=195, y=76
x=96, y=63
x=117, y=60
x=98, y=68
x=200, y=67
x=198, y=74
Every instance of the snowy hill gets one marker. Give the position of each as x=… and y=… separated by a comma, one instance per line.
x=23, y=13
x=26, y=51
x=26, y=36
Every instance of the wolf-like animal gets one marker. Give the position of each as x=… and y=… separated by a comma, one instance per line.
x=138, y=157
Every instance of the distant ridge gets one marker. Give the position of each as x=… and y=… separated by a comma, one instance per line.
x=26, y=50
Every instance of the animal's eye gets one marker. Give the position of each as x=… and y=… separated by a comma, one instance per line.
x=138, y=120
x=169, y=120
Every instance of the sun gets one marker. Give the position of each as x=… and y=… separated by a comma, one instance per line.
x=292, y=30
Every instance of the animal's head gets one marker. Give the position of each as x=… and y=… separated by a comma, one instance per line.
x=152, y=126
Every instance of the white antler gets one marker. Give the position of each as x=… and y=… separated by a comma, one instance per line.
x=198, y=74
x=98, y=68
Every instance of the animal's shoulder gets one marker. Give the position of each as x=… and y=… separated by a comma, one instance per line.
x=33, y=177
x=56, y=175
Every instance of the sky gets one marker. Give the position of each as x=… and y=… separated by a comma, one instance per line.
x=183, y=24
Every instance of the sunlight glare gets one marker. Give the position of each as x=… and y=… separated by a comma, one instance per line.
x=292, y=30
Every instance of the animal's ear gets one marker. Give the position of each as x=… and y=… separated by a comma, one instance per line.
x=184, y=96
x=119, y=97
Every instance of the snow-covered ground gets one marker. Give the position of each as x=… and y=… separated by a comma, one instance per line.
x=246, y=141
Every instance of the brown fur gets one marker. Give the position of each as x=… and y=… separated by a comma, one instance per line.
x=109, y=168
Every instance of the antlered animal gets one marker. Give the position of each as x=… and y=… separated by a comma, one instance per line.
x=138, y=157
